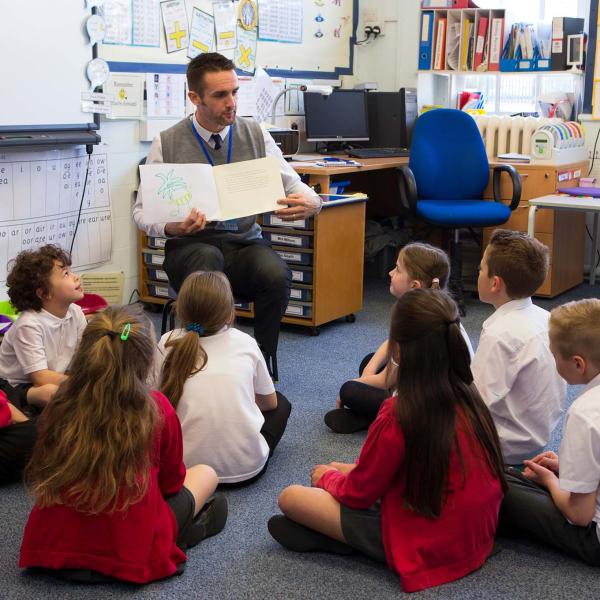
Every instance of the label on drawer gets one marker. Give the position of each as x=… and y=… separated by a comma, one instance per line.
x=294, y=309
x=302, y=276
x=158, y=259
x=290, y=240
x=277, y=222
x=293, y=256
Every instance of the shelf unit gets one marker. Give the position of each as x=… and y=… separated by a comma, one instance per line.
x=325, y=255
x=441, y=86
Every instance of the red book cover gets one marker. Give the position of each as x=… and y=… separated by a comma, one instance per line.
x=480, y=42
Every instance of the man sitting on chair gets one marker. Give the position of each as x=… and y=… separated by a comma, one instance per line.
x=215, y=135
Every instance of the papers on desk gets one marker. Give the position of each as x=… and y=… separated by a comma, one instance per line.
x=222, y=193
x=514, y=157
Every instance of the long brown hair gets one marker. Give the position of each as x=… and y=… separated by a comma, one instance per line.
x=94, y=449
x=425, y=263
x=434, y=380
x=204, y=302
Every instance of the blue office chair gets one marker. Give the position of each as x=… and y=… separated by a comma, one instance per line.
x=444, y=181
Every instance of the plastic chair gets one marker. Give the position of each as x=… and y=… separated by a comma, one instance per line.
x=92, y=304
x=444, y=181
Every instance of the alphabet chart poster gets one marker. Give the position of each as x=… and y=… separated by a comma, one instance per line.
x=40, y=195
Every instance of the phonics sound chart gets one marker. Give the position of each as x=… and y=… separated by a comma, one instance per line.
x=40, y=196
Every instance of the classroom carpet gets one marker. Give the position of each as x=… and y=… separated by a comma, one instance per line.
x=245, y=562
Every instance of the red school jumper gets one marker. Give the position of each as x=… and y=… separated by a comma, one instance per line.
x=424, y=551
x=137, y=545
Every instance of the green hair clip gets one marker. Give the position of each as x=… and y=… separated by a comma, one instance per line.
x=126, y=331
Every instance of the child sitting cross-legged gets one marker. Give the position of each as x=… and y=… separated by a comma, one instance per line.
x=513, y=367
x=425, y=492
x=418, y=265
x=556, y=500
x=112, y=496
x=38, y=347
x=216, y=378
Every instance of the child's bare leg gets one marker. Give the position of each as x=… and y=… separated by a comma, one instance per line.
x=314, y=508
x=40, y=395
x=201, y=481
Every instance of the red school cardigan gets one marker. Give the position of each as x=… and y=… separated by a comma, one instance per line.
x=137, y=545
x=425, y=552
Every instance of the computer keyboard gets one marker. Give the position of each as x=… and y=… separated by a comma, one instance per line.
x=377, y=152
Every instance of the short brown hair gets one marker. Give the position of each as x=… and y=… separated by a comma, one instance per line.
x=575, y=329
x=424, y=263
x=521, y=261
x=209, y=62
x=29, y=272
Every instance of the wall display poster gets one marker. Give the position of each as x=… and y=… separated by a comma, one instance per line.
x=244, y=56
x=175, y=24
x=40, y=194
x=202, y=33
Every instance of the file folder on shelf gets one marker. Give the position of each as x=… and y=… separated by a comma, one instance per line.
x=439, y=63
x=426, y=39
x=480, y=44
x=496, y=38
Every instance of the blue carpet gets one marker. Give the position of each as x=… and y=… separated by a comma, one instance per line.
x=244, y=562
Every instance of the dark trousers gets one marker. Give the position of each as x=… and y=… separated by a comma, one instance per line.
x=16, y=444
x=16, y=440
x=529, y=511
x=272, y=430
x=362, y=399
x=255, y=272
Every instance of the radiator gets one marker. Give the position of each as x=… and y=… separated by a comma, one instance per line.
x=508, y=134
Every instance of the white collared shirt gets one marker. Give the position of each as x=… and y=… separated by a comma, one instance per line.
x=292, y=183
x=220, y=420
x=38, y=340
x=515, y=374
x=579, y=454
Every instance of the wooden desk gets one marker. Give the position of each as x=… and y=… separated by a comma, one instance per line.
x=570, y=203
x=562, y=231
x=322, y=175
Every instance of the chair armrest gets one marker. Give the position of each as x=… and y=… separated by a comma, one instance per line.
x=408, y=188
x=516, y=183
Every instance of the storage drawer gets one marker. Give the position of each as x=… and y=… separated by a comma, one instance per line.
x=297, y=309
x=271, y=220
x=156, y=242
x=302, y=294
x=158, y=288
x=153, y=257
x=288, y=238
x=297, y=258
x=157, y=274
x=302, y=275
x=243, y=306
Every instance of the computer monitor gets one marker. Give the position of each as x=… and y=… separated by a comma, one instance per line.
x=339, y=117
x=392, y=117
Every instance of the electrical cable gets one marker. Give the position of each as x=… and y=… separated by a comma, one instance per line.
x=594, y=153
x=89, y=149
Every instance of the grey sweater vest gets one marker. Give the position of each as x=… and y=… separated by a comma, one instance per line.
x=180, y=145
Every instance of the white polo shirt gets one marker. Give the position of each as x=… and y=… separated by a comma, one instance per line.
x=39, y=340
x=515, y=373
x=579, y=454
x=219, y=417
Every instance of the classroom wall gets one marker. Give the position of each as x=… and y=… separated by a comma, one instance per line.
x=390, y=60
x=125, y=150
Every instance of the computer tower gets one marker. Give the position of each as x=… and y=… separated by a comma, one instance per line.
x=391, y=118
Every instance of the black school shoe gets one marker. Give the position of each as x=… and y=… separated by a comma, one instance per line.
x=298, y=538
x=208, y=522
x=343, y=420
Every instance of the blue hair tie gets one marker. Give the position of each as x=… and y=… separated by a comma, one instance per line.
x=195, y=327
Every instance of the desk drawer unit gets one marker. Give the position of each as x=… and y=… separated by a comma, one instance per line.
x=562, y=231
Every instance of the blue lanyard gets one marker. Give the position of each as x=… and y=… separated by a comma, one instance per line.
x=201, y=142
